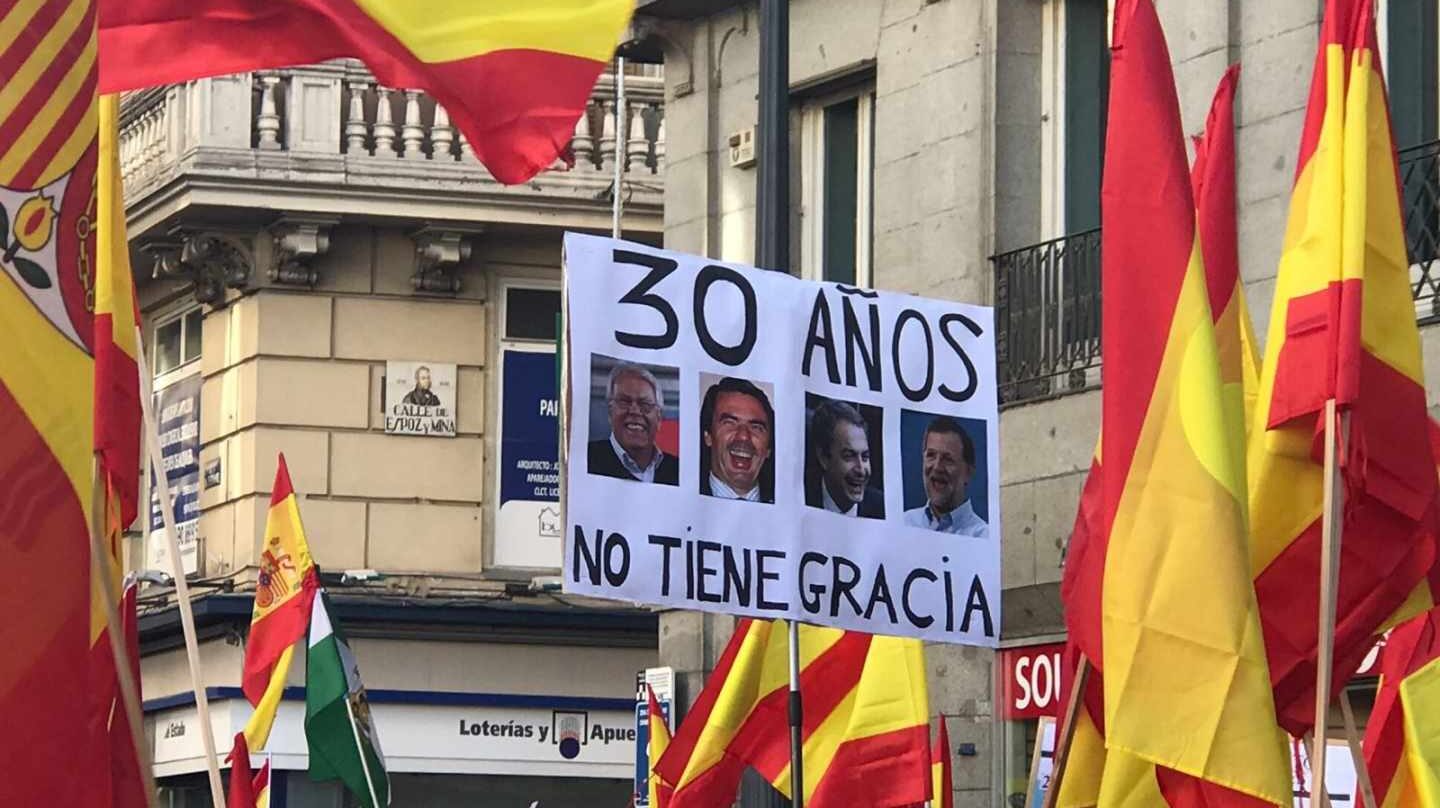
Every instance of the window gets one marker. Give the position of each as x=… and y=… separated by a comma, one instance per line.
x=837, y=163
x=176, y=342
x=1409, y=30
x=530, y=314
x=1075, y=57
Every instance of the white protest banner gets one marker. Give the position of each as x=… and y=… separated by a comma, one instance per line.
x=745, y=442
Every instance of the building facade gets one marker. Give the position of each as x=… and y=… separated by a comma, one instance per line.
x=311, y=251
x=953, y=148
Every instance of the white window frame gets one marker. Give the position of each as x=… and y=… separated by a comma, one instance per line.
x=187, y=366
x=1052, y=114
x=812, y=184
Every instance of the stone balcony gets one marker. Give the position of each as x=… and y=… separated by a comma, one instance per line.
x=325, y=140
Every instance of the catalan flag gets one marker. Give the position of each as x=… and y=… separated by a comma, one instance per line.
x=659, y=790
x=1342, y=327
x=514, y=75
x=47, y=192
x=1172, y=651
x=1402, y=737
x=284, y=592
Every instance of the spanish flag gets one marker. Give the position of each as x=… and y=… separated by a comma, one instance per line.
x=242, y=780
x=659, y=790
x=1212, y=178
x=865, y=731
x=284, y=592
x=260, y=785
x=942, y=780
x=47, y=395
x=1402, y=737
x=117, y=450
x=1342, y=327
x=1172, y=650
x=513, y=74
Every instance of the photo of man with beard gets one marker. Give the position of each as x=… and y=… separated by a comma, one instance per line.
x=634, y=403
x=841, y=463
x=947, y=465
x=737, y=424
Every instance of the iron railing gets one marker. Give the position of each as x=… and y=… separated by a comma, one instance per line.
x=1047, y=309
x=1047, y=295
x=1420, y=189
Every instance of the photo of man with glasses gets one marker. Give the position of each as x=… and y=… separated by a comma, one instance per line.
x=635, y=403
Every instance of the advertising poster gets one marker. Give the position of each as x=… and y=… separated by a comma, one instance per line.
x=528, y=521
x=746, y=442
x=177, y=408
x=420, y=399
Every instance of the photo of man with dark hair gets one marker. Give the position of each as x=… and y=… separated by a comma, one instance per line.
x=422, y=395
x=839, y=442
x=947, y=463
x=737, y=424
x=635, y=404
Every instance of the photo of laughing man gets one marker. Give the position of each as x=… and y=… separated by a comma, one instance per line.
x=947, y=464
x=635, y=404
x=840, y=443
x=737, y=425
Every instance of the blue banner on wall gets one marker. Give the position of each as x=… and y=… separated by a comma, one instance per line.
x=177, y=408
x=528, y=526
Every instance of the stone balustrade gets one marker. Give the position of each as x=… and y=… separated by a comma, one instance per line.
x=332, y=122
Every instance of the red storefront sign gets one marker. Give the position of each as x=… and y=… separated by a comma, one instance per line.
x=1032, y=681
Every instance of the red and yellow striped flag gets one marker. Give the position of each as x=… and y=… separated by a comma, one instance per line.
x=659, y=790
x=1342, y=327
x=47, y=393
x=513, y=74
x=865, y=710
x=1173, y=651
x=942, y=780
x=1402, y=737
x=284, y=593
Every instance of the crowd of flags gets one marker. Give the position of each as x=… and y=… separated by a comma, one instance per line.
x=1192, y=587
x=1192, y=584
x=514, y=75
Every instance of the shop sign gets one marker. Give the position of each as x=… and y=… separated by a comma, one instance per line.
x=1032, y=681
x=564, y=740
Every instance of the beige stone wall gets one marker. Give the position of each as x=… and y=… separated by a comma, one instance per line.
x=299, y=371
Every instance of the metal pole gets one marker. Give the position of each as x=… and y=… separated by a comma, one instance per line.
x=797, y=743
x=772, y=251
x=622, y=141
x=129, y=688
x=182, y=588
x=772, y=202
x=1330, y=537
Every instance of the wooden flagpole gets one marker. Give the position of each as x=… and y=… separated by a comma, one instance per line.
x=1357, y=756
x=1065, y=733
x=1336, y=429
x=182, y=587
x=119, y=649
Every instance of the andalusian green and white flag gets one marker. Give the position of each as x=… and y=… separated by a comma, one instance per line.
x=338, y=729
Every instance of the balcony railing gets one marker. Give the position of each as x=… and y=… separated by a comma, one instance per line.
x=1047, y=309
x=1420, y=184
x=331, y=122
